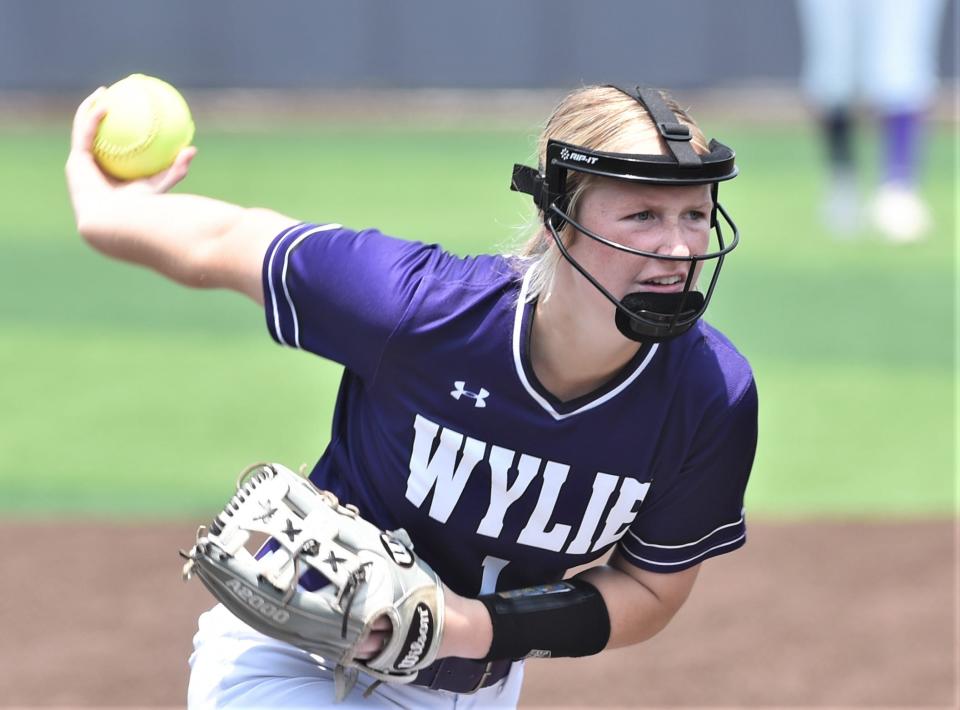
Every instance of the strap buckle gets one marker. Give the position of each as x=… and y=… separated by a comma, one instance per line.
x=674, y=131
x=487, y=669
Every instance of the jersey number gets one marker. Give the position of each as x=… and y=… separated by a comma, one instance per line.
x=492, y=567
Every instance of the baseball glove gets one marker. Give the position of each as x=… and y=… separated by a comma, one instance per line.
x=368, y=573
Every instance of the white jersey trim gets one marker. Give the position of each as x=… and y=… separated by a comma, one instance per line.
x=283, y=280
x=688, y=560
x=537, y=397
x=273, y=294
x=687, y=544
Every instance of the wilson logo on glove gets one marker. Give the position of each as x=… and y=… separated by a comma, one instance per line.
x=397, y=551
x=415, y=646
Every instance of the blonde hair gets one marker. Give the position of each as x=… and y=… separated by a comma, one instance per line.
x=597, y=118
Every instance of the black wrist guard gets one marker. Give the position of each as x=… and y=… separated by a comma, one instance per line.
x=568, y=618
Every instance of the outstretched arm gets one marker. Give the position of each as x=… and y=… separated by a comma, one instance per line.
x=196, y=241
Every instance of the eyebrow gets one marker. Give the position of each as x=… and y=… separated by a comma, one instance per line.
x=651, y=204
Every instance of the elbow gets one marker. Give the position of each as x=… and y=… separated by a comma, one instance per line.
x=657, y=622
x=640, y=603
x=638, y=630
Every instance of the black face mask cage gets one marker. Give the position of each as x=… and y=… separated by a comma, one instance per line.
x=641, y=316
x=645, y=317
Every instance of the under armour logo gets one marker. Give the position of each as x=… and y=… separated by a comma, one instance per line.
x=478, y=397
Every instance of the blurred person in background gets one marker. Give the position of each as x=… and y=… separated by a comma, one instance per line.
x=885, y=53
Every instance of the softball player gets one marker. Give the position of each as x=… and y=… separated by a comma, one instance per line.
x=518, y=415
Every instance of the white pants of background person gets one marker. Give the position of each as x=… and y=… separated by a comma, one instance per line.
x=234, y=666
x=883, y=51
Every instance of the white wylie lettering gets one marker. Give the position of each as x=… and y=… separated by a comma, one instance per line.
x=438, y=472
x=535, y=533
x=603, y=486
x=442, y=461
x=502, y=495
x=622, y=513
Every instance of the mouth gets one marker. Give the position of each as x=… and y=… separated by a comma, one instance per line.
x=665, y=283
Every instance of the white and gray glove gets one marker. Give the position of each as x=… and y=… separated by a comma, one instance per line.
x=370, y=573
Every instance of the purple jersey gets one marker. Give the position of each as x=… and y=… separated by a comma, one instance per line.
x=442, y=428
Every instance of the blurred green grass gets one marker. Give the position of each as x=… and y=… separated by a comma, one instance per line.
x=125, y=395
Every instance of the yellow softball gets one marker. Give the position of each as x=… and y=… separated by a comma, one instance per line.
x=147, y=123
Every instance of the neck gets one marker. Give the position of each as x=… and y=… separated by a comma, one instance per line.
x=573, y=352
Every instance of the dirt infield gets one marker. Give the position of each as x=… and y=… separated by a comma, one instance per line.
x=825, y=615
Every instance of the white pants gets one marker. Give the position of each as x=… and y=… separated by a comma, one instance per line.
x=884, y=51
x=234, y=666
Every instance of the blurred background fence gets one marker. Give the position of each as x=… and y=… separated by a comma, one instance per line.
x=63, y=44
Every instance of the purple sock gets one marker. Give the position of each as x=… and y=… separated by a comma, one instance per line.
x=901, y=136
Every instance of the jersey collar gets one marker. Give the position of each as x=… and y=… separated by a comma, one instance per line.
x=523, y=319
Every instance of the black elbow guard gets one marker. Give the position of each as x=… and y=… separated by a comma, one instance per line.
x=568, y=618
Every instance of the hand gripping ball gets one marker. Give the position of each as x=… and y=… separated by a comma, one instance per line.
x=147, y=123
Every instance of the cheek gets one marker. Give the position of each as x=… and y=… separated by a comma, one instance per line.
x=700, y=239
x=615, y=270
x=597, y=259
x=597, y=255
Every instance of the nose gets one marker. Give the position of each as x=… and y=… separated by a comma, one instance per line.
x=674, y=242
x=677, y=249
